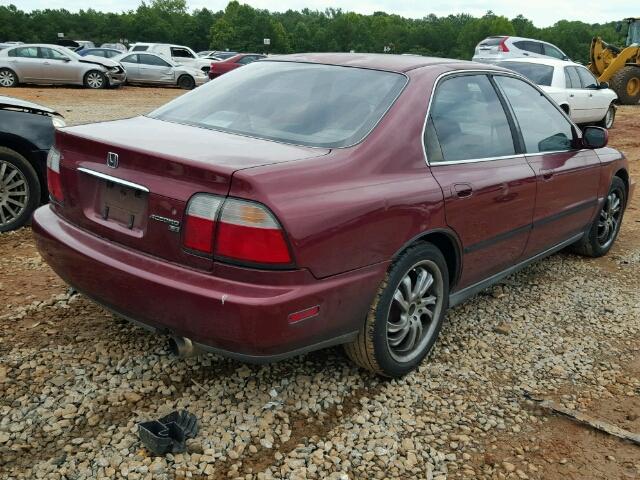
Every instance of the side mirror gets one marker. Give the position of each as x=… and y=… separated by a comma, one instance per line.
x=604, y=85
x=594, y=137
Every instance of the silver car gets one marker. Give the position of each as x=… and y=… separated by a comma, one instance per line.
x=143, y=67
x=53, y=64
x=495, y=49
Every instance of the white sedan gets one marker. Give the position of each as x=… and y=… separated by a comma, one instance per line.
x=570, y=85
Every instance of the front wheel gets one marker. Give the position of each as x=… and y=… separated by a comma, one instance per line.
x=610, y=116
x=95, y=80
x=406, y=316
x=186, y=82
x=604, y=229
x=19, y=190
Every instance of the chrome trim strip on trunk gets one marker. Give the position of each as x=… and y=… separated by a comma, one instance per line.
x=109, y=178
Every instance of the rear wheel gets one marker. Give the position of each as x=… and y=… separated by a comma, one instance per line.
x=610, y=116
x=604, y=229
x=95, y=80
x=19, y=190
x=8, y=78
x=406, y=316
x=626, y=83
x=186, y=82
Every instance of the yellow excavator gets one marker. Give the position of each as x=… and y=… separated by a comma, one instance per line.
x=620, y=67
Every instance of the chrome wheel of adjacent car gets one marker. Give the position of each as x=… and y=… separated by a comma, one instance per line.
x=609, y=220
x=95, y=80
x=607, y=121
x=14, y=193
x=8, y=78
x=416, y=302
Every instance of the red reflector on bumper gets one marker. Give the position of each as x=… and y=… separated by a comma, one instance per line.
x=304, y=314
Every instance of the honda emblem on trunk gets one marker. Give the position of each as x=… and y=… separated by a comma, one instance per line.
x=112, y=160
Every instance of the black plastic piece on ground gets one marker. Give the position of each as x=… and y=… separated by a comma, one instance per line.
x=168, y=434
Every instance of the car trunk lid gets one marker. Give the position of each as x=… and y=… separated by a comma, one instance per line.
x=129, y=181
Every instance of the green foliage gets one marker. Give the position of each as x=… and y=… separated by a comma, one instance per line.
x=243, y=28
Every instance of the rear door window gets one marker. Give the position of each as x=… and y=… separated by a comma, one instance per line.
x=529, y=46
x=130, y=59
x=467, y=121
x=146, y=59
x=572, y=79
x=552, y=51
x=543, y=127
x=587, y=80
x=24, y=52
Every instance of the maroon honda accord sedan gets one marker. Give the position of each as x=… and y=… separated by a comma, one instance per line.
x=311, y=200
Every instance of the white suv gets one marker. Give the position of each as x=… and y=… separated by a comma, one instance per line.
x=494, y=49
x=177, y=53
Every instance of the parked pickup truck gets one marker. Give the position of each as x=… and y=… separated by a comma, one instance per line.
x=177, y=53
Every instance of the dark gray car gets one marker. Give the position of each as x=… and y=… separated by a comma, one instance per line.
x=26, y=135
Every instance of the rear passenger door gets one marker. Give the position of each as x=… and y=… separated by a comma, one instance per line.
x=132, y=67
x=567, y=176
x=26, y=63
x=531, y=48
x=489, y=189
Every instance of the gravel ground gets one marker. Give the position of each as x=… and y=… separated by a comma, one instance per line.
x=75, y=380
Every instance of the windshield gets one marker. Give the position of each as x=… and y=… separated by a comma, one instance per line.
x=537, y=73
x=304, y=104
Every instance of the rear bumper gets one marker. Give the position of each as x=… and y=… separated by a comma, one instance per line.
x=248, y=321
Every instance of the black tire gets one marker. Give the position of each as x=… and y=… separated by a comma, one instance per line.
x=609, y=118
x=95, y=80
x=14, y=168
x=186, y=82
x=626, y=83
x=372, y=349
x=595, y=243
x=8, y=78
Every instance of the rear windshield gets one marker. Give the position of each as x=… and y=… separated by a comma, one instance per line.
x=140, y=48
x=537, y=73
x=491, y=41
x=299, y=103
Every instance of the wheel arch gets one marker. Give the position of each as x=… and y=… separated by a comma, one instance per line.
x=447, y=242
x=14, y=72
x=623, y=175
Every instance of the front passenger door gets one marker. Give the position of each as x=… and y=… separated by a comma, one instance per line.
x=489, y=188
x=567, y=177
x=131, y=66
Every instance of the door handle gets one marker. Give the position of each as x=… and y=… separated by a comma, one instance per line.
x=571, y=95
x=46, y=63
x=462, y=190
x=546, y=174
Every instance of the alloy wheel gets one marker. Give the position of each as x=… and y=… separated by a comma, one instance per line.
x=14, y=193
x=608, y=119
x=416, y=305
x=95, y=80
x=7, y=78
x=609, y=220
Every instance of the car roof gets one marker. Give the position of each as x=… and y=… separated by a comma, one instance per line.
x=552, y=62
x=380, y=61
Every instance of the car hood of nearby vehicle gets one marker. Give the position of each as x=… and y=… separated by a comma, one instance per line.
x=105, y=62
x=9, y=103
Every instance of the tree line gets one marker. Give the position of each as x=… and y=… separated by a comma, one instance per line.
x=240, y=27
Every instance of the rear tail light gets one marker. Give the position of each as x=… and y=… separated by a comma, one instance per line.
x=200, y=222
x=503, y=47
x=233, y=229
x=248, y=232
x=53, y=175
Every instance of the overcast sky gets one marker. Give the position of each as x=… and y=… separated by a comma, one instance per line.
x=542, y=12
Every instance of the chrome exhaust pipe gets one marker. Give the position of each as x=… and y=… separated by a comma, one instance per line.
x=183, y=347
